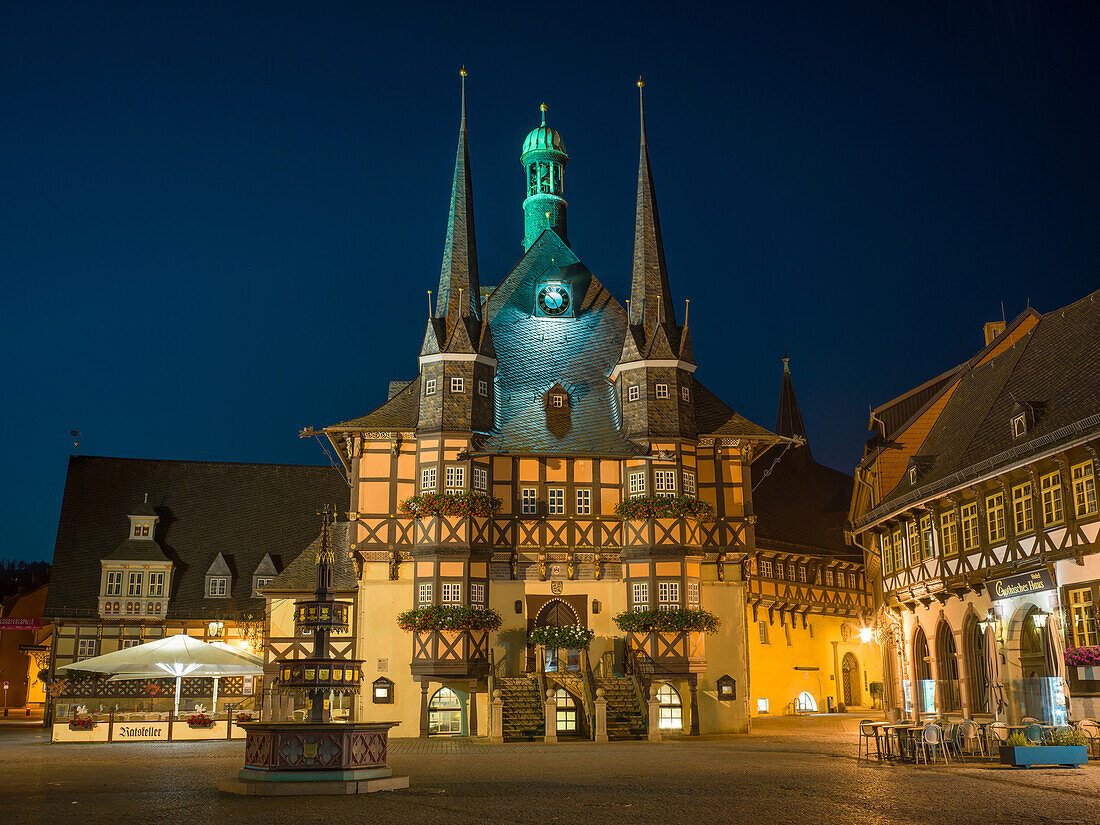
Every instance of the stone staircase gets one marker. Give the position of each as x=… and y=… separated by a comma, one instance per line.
x=625, y=719
x=524, y=714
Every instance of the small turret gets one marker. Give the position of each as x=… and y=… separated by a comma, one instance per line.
x=544, y=158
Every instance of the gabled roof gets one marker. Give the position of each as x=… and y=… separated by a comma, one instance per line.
x=300, y=575
x=240, y=511
x=400, y=412
x=535, y=353
x=714, y=417
x=137, y=550
x=1054, y=366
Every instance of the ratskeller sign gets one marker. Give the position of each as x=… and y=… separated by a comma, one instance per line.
x=1034, y=582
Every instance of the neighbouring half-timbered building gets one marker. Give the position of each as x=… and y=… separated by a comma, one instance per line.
x=976, y=507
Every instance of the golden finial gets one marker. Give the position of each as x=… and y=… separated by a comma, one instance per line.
x=462, y=72
x=543, y=107
x=641, y=82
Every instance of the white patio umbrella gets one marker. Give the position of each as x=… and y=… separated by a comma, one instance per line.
x=177, y=656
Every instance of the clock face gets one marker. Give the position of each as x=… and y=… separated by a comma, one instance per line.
x=553, y=300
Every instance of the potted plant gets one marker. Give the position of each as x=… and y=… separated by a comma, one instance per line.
x=199, y=719
x=82, y=720
x=244, y=716
x=1086, y=660
x=571, y=637
x=1067, y=749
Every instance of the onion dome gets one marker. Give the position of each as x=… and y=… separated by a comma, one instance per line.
x=543, y=139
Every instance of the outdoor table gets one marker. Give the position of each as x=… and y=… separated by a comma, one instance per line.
x=882, y=738
x=899, y=730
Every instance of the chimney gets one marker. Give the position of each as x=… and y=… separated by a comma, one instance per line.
x=992, y=329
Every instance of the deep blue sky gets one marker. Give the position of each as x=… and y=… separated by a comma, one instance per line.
x=218, y=221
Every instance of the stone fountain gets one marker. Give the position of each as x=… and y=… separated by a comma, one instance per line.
x=317, y=756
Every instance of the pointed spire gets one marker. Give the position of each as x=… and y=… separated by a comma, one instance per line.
x=788, y=421
x=458, y=281
x=651, y=298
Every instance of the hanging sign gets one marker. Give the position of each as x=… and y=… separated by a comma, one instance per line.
x=1036, y=581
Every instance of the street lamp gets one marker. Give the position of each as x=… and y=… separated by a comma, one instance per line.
x=1040, y=619
x=866, y=634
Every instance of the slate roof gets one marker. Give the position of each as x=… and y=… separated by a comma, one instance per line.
x=535, y=353
x=714, y=417
x=1054, y=367
x=301, y=575
x=138, y=550
x=243, y=511
x=802, y=506
x=400, y=412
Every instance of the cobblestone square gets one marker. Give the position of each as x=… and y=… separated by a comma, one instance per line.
x=790, y=770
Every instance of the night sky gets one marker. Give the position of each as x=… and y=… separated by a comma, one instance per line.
x=218, y=221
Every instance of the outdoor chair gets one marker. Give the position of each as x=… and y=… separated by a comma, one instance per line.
x=998, y=735
x=931, y=738
x=1091, y=731
x=951, y=740
x=867, y=734
x=1034, y=733
x=968, y=733
x=1028, y=720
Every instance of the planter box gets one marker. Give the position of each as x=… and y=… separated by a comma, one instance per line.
x=1065, y=755
x=61, y=733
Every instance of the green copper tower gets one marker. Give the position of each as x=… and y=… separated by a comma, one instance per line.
x=544, y=160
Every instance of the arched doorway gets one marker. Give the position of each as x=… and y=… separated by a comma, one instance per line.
x=978, y=665
x=806, y=703
x=671, y=709
x=947, y=664
x=849, y=668
x=557, y=613
x=924, y=689
x=566, y=713
x=1035, y=663
x=445, y=714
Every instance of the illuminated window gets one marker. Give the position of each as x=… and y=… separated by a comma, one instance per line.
x=640, y=592
x=454, y=478
x=452, y=592
x=1022, y=508
x=693, y=593
x=477, y=593
x=926, y=546
x=1083, y=617
x=481, y=479
x=662, y=390
x=566, y=711
x=424, y=593
x=887, y=553
x=664, y=482
x=458, y=384
x=995, y=516
x=555, y=501
x=632, y=393
x=949, y=533
x=85, y=648
x=156, y=584
x=689, y=483
x=636, y=484
x=1084, y=489
x=668, y=595
x=427, y=479
x=217, y=586
x=802, y=574
x=556, y=401
x=829, y=578
x=790, y=572
x=429, y=386
x=1051, y=486
x=766, y=568
x=133, y=585
x=114, y=583
x=529, y=501
x=444, y=713
x=899, y=551
x=670, y=713
x=584, y=502
x=1019, y=425
x=762, y=632
x=761, y=705
x=969, y=514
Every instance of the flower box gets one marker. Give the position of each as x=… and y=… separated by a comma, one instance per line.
x=199, y=722
x=1065, y=755
x=82, y=723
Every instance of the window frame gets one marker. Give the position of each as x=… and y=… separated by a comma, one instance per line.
x=583, y=501
x=969, y=524
x=529, y=501
x=477, y=593
x=949, y=533
x=216, y=583
x=1084, y=489
x=458, y=385
x=639, y=595
x=429, y=479
x=689, y=483
x=886, y=549
x=86, y=649
x=450, y=592
x=423, y=593
x=1019, y=425
x=429, y=386
x=1023, y=508
x=668, y=594
x=154, y=586
x=481, y=479
x=1054, y=505
x=664, y=482
x=661, y=391
x=555, y=501
x=633, y=393
x=454, y=477
x=113, y=588
x=995, y=528
x=635, y=482
x=483, y=388
x=135, y=584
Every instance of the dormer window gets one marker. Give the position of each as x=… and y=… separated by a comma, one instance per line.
x=263, y=575
x=912, y=475
x=556, y=401
x=141, y=529
x=1019, y=425
x=217, y=586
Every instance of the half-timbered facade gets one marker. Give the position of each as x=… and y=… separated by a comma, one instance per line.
x=808, y=601
x=977, y=511
x=150, y=548
x=550, y=395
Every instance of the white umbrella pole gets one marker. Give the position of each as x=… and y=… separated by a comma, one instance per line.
x=214, y=703
x=179, y=682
